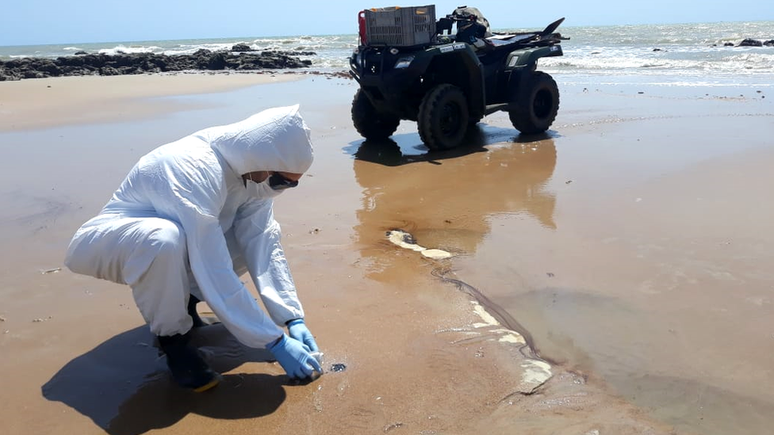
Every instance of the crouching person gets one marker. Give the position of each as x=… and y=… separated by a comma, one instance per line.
x=188, y=220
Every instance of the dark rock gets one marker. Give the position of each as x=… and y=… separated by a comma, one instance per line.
x=142, y=63
x=769, y=43
x=108, y=71
x=71, y=61
x=28, y=74
x=728, y=44
x=50, y=68
x=241, y=47
x=217, y=62
x=78, y=53
x=751, y=43
x=657, y=49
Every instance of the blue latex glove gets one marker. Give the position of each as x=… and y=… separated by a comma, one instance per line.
x=294, y=357
x=298, y=330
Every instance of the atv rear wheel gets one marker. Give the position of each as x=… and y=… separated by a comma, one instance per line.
x=536, y=104
x=370, y=123
x=443, y=117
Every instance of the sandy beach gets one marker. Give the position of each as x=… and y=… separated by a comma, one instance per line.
x=631, y=246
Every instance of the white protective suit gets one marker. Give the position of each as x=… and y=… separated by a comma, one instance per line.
x=183, y=222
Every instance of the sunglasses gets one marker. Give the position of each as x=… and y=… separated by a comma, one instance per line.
x=278, y=182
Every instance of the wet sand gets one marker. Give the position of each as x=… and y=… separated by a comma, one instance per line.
x=632, y=242
x=28, y=104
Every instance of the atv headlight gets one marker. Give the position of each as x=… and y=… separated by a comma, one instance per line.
x=404, y=62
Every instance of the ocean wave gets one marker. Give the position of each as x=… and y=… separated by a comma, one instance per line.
x=132, y=49
x=739, y=63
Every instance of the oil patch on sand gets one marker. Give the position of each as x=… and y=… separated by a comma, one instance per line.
x=536, y=372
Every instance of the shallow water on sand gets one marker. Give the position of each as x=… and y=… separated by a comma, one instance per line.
x=640, y=255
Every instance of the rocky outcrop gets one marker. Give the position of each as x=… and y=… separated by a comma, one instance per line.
x=144, y=63
x=751, y=43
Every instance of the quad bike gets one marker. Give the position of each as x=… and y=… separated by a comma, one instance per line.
x=448, y=83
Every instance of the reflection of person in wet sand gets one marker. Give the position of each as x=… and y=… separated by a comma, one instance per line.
x=445, y=203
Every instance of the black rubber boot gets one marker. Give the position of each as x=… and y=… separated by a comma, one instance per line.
x=197, y=321
x=188, y=368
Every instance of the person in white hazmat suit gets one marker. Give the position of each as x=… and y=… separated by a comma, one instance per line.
x=191, y=217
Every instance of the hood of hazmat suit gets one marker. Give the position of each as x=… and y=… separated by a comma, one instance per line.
x=273, y=140
x=196, y=184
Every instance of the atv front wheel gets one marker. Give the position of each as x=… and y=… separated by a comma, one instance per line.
x=443, y=117
x=536, y=104
x=370, y=123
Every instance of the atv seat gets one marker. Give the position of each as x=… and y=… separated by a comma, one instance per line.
x=501, y=40
x=493, y=48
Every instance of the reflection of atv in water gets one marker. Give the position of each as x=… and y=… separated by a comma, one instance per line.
x=504, y=181
x=410, y=67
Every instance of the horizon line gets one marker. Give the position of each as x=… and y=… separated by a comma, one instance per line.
x=355, y=34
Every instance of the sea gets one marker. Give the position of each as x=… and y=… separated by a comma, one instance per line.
x=693, y=54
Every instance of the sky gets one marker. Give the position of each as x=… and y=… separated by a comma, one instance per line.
x=37, y=22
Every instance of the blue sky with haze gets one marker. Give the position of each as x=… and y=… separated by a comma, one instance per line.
x=60, y=22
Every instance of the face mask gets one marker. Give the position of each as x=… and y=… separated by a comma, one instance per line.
x=261, y=190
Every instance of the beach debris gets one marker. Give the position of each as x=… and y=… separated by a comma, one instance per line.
x=2, y=319
x=390, y=427
x=39, y=320
x=407, y=241
x=53, y=270
x=314, y=231
x=568, y=182
x=536, y=374
x=550, y=275
x=336, y=368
